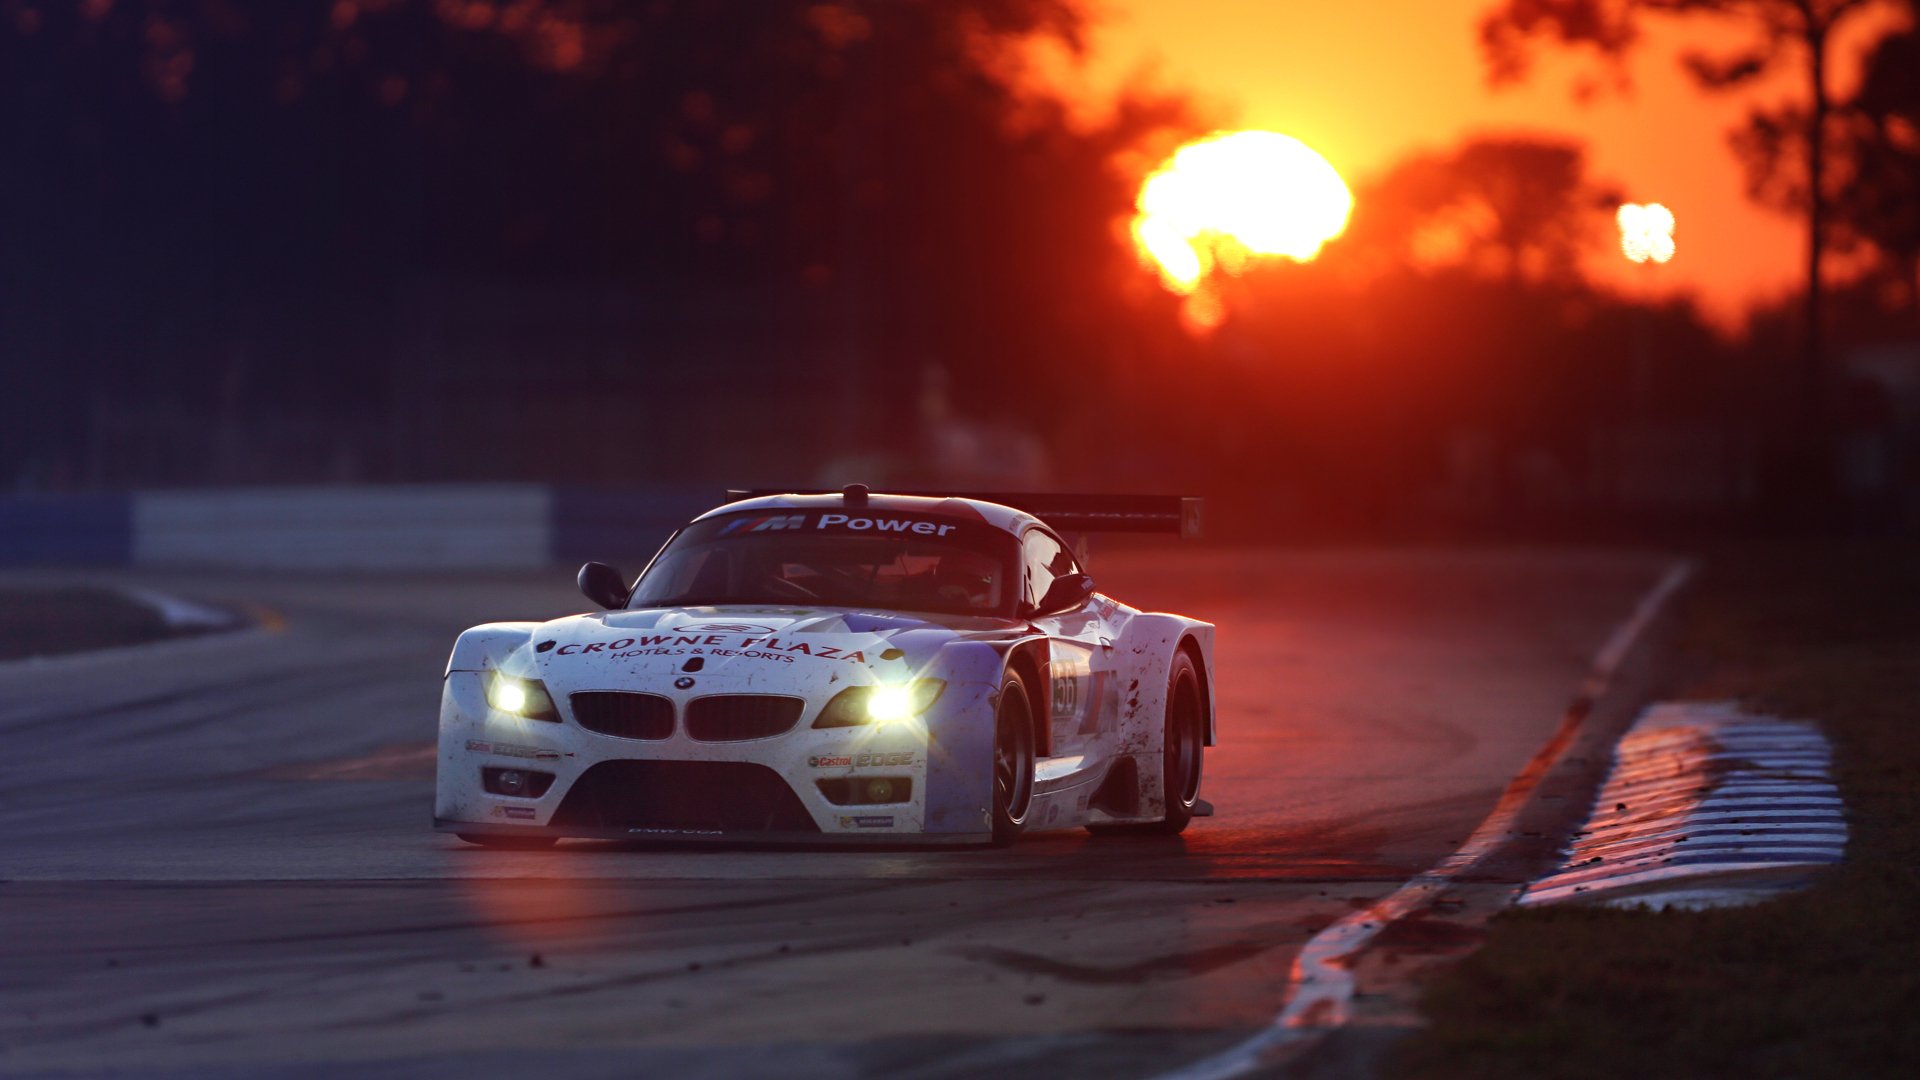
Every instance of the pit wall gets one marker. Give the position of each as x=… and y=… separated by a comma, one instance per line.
x=402, y=527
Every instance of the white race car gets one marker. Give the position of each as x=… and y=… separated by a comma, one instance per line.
x=836, y=667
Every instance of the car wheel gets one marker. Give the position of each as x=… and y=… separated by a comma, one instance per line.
x=1013, y=760
x=509, y=843
x=1181, y=750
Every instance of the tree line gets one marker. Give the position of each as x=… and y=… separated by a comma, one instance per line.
x=473, y=239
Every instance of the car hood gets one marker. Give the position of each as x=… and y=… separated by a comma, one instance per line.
x=742, y=647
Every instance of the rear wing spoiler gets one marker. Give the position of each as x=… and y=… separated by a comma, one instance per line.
x=1177, y=514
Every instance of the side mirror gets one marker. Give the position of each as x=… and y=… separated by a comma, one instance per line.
x=1066, y=592
x=604, y=585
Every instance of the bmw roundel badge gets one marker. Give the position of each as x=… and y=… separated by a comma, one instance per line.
x=682, y=683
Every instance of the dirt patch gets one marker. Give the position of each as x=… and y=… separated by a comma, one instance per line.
x=1422, y=933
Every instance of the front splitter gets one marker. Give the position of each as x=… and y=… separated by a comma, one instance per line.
x=717, y=837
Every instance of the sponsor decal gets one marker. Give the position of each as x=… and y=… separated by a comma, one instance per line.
x=769, y=523
x=700, y=652
x=675, y=832
x=581, y=649
x=892, y=760
x=802, y=648
x=517, y=813
x=751, y=654
x=724, y=628
x=866, y=821
x=883, y=525
x=543, y=646
x=510, y=750
x=750, y=647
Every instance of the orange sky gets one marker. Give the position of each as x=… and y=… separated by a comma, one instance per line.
x=1367, y=83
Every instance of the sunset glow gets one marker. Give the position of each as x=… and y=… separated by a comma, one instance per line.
x=1368, y=99
x=1228, y=198
x=1646, y=232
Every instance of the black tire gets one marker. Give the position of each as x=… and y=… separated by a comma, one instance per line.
x=509, y=843
x=1181, y=750
x=1013, y=761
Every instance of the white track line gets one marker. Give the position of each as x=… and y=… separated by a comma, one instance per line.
x=1320, y=990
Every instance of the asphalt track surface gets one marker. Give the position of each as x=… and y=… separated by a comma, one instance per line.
x=216, y=860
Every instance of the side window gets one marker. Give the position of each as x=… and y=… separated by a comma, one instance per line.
x=1042, y=559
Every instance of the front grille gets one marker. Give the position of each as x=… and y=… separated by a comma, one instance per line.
x=732, y=717
x=735, y=796
x=623, y=714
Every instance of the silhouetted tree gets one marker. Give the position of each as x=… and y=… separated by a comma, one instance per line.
x=1515, y=206
x=206, y=202
x=1803, y=30
x=1880, y=204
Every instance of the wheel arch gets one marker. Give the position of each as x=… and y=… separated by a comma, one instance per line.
x=1146, y=651
x=491, y=646
x=1029, y=659
x=1190, y=645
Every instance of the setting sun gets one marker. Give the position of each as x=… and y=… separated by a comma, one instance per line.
x=1230, y=197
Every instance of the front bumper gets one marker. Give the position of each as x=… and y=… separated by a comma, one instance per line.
x=730, y=837
x=680, y=789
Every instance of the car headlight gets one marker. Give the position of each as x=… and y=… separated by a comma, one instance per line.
x=887, y=703
x=521, y=697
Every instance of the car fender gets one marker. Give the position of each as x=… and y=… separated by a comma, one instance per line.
x=1145, y=650
x=493, y=647
x=960, y=737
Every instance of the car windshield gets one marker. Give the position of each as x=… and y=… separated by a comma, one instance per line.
x=856, y=558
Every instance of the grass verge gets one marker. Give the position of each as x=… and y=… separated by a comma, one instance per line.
x=1824, y=982
x=48, y=622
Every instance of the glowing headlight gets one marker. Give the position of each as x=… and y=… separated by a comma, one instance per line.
x=509, y=696
x=887, y=703
x=521, y=697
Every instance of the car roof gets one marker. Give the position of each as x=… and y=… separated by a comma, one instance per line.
x=1002, y=517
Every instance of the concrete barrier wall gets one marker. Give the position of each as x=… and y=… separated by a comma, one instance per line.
x=66, y=529
x=456, y=527
x=624, y=527
x=452, y=526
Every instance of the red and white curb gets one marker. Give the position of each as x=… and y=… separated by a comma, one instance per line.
x=1320, y=990
x=1702, y=794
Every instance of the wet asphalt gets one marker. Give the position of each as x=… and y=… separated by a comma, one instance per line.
x=216, y=857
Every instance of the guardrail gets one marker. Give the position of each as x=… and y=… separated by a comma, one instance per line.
x=423, y=526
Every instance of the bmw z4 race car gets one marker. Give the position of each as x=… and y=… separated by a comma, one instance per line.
x=840, y=666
